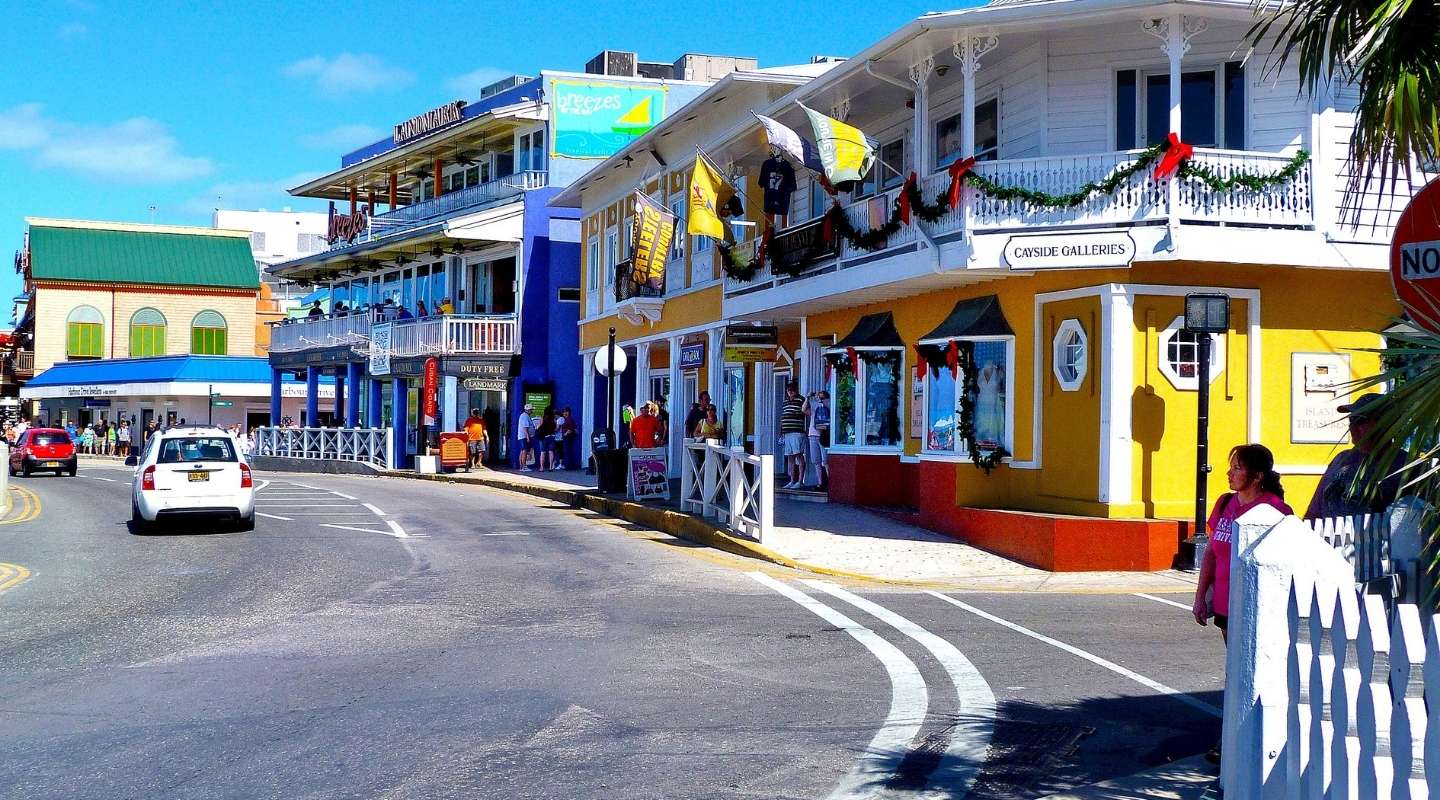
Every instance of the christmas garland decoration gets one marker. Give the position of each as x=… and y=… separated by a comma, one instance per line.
x=1170, y=157
x=970, y=389
x=739, y=266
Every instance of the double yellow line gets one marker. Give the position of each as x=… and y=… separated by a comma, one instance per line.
x=12, y=575
x=26, y=507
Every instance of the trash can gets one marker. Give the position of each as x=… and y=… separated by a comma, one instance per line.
x=610, y=466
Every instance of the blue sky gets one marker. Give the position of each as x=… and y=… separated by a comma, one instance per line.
x=110, y=108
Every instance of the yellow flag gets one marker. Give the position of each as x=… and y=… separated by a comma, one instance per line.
x=709, y=192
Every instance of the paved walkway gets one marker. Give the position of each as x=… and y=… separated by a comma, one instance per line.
x=845, y=539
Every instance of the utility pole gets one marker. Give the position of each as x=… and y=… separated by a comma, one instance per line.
x=1205, y=314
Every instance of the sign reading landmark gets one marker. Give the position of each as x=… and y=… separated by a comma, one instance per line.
x=594, y=119
x=483, y=384
x=431, y=120
x=347, y=226
x=1069, y=251
x=692, y=356
x=1415, y=258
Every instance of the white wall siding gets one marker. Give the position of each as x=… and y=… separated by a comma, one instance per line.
x=1370, y=216
x=1279, y=113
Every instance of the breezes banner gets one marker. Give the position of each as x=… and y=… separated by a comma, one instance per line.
x=594, y=119
x=653, y=232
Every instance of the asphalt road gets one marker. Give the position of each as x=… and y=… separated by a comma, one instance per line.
x=383, y=638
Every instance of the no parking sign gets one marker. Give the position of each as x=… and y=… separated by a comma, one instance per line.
x=1415, y=258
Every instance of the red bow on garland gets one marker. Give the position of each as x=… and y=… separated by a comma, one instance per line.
x=952, y=359
x=764, y=244
x=905, y=198
x=958, y=171
x=827, y=228
x=1176, y=152
x=854, y=358
x=919, y=364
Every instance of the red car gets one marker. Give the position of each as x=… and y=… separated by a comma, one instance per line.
x=43, y=449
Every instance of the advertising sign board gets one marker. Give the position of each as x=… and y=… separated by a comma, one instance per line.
x=594, y=119
x=649, y=473
x=431, y=394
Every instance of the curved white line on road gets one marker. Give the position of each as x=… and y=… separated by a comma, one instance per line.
x=970, y=741
x=396, y=529
x=909, y=699
x=1181, y=606
x=263, y=484
x=1091, y=657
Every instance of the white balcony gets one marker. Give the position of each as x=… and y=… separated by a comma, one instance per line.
x=455, y=334
x=448, y=205
x=314, y=333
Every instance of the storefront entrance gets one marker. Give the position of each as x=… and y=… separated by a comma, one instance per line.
x=494, y=406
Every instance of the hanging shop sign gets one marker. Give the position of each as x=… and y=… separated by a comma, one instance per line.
x=595, y=119
x=1070, y=251
x=692, y=356
x=797, y=247
x=483, y=384
x=431, y=400
x=751, y=343
x=1415, y=258
x=654, y=229
x=649, y=474
x=432, y=120
x=1318, y=387
x=347, y=226
x=382, y=337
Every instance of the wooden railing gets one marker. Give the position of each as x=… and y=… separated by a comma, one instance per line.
x=455, y=334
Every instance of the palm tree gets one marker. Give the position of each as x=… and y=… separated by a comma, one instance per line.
x=1390, y=51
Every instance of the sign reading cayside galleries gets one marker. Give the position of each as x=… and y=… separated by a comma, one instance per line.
x=594, y=119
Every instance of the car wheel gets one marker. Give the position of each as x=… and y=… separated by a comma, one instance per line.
x=246, y=523
x=71, y=472
x=25, y=471
x=138, y=523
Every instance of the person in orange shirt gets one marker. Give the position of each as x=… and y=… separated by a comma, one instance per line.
x=476, y=438
x=644, y=427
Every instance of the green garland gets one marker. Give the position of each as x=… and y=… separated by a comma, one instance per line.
x=1191, y=170
x=1070, y=199
x=970, y=388
x=737, y=265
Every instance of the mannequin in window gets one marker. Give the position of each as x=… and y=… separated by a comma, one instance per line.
x=989, y=409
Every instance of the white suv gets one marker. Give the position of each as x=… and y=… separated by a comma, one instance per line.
x=192, y=471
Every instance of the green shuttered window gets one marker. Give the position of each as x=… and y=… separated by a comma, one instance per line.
x=85, y=333
x=208, y=334
x=147, y=333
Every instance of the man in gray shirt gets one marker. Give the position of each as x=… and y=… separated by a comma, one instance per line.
x=1339, y=494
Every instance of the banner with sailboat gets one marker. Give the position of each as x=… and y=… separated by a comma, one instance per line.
x=594, y=119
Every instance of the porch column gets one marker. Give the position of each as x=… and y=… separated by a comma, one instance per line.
x=353, y=373
x=715, y=364
x=312, y=396
x=969, y=50
x=439, y=183
x=642, y=375
x=1174, y=33
x=678, y=411
x=587, y=405
x=394, y=189
x=400, y=404
x=340, y=387
x=354, y=198
x=764, y=405
x=920, y=139
x=277, y=382
x=374, y=403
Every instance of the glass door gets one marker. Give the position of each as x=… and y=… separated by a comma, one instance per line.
x=734, y=409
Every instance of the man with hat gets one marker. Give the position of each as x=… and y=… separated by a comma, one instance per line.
x=525, y=436
x=1343, y=490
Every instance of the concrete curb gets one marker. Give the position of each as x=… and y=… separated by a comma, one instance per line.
x=674, y=523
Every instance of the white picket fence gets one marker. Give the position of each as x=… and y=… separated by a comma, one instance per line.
x=370, y=445
x=730, y=486
x=1331, y=691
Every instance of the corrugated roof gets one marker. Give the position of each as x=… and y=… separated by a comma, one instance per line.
x=65, y=251
x=159, y=369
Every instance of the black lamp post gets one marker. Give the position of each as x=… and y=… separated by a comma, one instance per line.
x=1205, y=314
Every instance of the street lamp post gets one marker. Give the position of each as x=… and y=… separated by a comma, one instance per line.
x=1205, y=314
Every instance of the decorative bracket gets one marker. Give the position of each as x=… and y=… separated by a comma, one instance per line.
x=971, y=48
x=921, y=70
x=1190, y=27
x=840, y=109
x=638, y=310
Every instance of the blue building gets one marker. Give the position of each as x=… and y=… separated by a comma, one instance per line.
x=442, y=245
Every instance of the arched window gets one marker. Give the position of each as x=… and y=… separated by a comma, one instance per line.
x=85, y=333
x=207, y=334
x=147, y=333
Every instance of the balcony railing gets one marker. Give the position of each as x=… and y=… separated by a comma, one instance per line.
x=627, y=288
x=311, y=333
x=25, y=363
x=447, y=205
x=1139, y=201
x=454, y=334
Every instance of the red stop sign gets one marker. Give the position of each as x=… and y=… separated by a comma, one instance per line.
x=1415, y=258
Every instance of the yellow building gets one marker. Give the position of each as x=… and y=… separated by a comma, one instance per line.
x=1042, y=312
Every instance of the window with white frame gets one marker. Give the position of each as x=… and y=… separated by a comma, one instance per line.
x=950, y=135
x=612, y=256
x=678, y=207
x=868, y=403
x=1212, y=106
x=1070, y=355
x=890, y=160
x=819, y=200
x=994, y=363
x=1179, y=354
x=592, y=262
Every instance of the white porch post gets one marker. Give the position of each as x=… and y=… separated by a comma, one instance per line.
x=715, y=358
x=678, y=411
x=764, y=408
x=802, y=370
x=920, y=139
x=587, y=405
x=642, y=375
x=1174, y=33
x=969, y=49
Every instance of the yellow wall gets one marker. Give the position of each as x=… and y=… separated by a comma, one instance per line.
x=1301, y=311
x=681, y=312
x=53, y=305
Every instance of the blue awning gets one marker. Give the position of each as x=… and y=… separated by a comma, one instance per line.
x=160, y=369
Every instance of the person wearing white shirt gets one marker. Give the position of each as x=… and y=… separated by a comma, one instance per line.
x=525, y=435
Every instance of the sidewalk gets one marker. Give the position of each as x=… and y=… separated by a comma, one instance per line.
x=1187, y=779
x=845, y=541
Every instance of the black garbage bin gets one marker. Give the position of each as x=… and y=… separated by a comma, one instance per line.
x=610, y=466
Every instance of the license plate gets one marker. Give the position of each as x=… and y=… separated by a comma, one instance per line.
x=52, y=463
x=198, y=476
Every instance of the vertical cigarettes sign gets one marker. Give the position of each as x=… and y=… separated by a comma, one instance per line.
x=430, y=400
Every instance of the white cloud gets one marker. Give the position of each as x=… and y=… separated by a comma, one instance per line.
x=350, y=73
x=136, y=150
x=468, y=86
x=248, y=195
x=343, y=137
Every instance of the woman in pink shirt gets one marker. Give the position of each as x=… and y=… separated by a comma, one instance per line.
x=1253, y=481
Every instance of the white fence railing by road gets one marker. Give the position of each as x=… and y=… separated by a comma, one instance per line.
x=1330, y=691
x=730, y=486
x=370, y=445
x=472, y=334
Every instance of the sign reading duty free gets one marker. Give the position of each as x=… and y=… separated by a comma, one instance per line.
x=1070, y=251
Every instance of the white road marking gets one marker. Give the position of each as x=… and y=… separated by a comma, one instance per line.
x=508, y=533
x=374, y=510
x=909, y=699
x=263, y=484
x=98, y=478
x=272, y=516
x=1163, y=600
x=305, y=505
x=1091, y=657
x=354, y=528
x=346, y=496
x=399, y=531
x=969, y=743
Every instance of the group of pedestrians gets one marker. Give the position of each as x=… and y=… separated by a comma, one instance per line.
x=103, y=438
x=805, y=437
x=544, y=442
